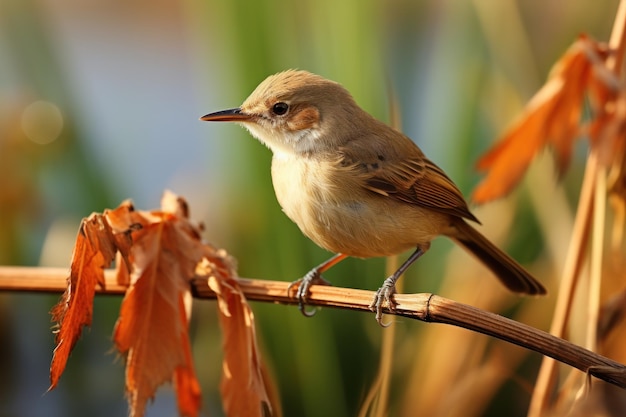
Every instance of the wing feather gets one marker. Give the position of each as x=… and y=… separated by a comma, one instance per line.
x=406, y=176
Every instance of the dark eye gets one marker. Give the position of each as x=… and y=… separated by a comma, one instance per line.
x=280, y=108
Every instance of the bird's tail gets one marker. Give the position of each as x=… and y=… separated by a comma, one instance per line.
x=508, y=271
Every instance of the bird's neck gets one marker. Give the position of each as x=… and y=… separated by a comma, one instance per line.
x=295, y=143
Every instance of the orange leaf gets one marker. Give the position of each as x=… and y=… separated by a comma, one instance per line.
x=152, y=328
x=96, y=245
x=552, y=117
x=185, y=381
x=160, y=252
x=245, y=390
x=122, y=224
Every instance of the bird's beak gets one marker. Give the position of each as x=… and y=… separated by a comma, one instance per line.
x=230, y=115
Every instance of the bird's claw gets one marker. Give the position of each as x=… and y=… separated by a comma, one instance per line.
x=313, y=277
x=383, y=296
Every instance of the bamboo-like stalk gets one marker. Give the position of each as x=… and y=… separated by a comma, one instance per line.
x=588, y=201
x=425, y=307
x=44, y=279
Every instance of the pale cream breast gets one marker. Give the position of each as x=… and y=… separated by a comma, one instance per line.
x=340, y=220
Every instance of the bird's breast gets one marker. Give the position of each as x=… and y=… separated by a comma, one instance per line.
x=331, y=208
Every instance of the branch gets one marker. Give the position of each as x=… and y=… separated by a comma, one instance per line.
x=425, y=307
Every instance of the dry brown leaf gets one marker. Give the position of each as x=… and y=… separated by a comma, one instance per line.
x=152, y=329
x=608, y=131
x=552, y=117
x=185, y=382
x=122, y=224
x=96, y=245
x=245, y=388
x=159, y=253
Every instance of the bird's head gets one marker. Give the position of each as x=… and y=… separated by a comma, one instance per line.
x=294, y=112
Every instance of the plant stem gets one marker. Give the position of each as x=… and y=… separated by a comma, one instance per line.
x=425, y=307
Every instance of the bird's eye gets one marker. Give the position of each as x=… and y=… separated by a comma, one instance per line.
x=280, y=108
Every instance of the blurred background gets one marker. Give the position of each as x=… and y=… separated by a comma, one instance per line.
x=100, y=100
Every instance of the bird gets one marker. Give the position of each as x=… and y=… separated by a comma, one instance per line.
x=356, y=186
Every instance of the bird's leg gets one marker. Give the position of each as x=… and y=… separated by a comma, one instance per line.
x=314, y=276
x=388, y=289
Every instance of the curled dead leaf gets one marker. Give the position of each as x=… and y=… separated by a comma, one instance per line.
x=159, y=253
x=245, y=386
x=553, y=118
x=96, y=245
x=152, y=330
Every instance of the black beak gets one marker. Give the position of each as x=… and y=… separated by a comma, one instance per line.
x=230, y=115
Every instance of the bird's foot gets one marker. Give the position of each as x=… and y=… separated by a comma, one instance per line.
x=313, y=277
x=383, y=296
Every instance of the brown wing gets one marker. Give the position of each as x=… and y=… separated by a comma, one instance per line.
x=398, y=169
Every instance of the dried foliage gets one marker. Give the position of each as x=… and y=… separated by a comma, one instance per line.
x=589, y=75
x=95, y=249
x=161, y=253
x=553, y=117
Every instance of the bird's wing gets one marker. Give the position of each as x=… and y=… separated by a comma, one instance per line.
x=400, y=170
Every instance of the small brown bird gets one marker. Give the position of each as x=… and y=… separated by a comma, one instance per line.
x=356, y=186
